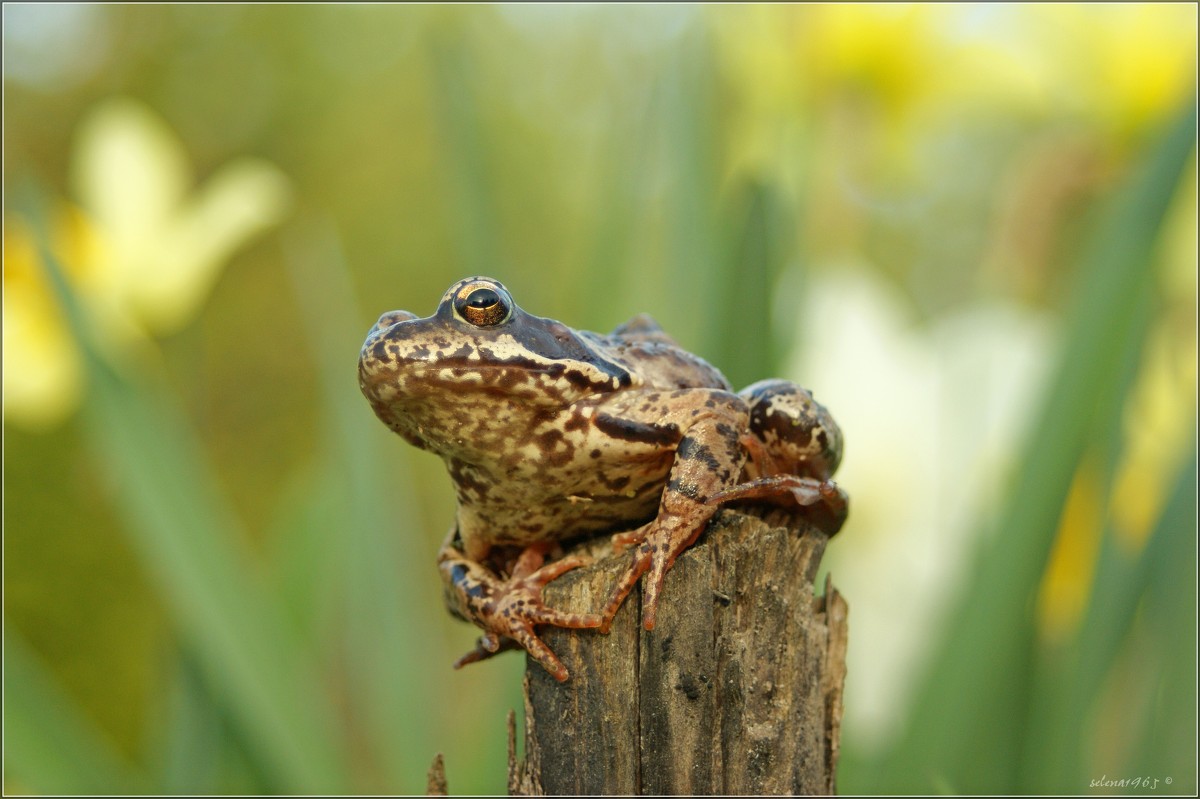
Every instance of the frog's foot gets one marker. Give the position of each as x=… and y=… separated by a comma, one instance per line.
x=623, y=541
x=829, y=502
x=488, y=645
x=641, y=562
x=509, y=610
x=659, y=543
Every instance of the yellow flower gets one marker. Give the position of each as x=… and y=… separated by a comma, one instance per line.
x=42, y=372
x=1160, y=417
x=142, y=252
x=1158, y=427
x=1067, y=582
x=882, y=76
x=1127, y=65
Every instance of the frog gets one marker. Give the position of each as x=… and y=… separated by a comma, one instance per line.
x=553, y=435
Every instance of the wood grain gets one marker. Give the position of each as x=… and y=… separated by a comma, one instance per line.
x=738, y=690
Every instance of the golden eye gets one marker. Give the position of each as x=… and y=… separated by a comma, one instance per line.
x=482, y=306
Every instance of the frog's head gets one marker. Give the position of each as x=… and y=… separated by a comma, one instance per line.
x=479, y=350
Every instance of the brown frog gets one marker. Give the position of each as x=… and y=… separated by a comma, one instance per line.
x=552, y=434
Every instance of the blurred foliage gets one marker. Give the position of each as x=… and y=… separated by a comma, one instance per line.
x=970, y=229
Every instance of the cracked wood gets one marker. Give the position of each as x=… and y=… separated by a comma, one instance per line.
x=738, y=689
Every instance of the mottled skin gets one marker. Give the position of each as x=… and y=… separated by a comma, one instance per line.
x=552, y=434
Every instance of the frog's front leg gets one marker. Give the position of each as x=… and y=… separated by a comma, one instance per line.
x=708, y=459
x=508, y=609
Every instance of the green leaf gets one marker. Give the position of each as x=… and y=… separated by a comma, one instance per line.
x=970, y=711
x=190, y=542
x=466, y=160
x=746, y=347
x=1169, y=611
x=197, y=747
x=50, y=747
x=695, y=242
x=378, y=584
x=1125, y=588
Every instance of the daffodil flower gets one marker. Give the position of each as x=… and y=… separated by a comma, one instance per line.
x=142, y=250
x=934, y=414
x=892, y=73
x=43, y=377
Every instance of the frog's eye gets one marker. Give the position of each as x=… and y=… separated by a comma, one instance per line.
x=482, y=306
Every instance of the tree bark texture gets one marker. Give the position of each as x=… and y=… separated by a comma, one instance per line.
x=737, y=690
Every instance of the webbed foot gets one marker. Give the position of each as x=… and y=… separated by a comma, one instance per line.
x=658, y=545
x=509, y=610
x=824, y=503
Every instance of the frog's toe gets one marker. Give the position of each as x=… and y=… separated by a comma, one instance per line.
x=555, y=569
x=488, y=645
x=825, y=504
x=525, y=603
x=641, y=562
x=521, y=636
x=559, y=618
x=652, y=590
x=519, y=608
x=622, y=541
x=537, y=649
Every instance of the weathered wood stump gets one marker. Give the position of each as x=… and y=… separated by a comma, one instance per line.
x=737, y=690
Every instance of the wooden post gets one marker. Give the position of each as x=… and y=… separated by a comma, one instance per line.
x=737, y=690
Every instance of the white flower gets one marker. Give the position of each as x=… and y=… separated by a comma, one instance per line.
x=931, y=417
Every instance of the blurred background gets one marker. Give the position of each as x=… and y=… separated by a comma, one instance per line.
x=969, y=229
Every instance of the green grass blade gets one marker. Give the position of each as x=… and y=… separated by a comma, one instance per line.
x=305, y=558
x=1169, y=611
x=611, y=277
x=747, y=347
x=191, y=745
x=50, y=747
x=199, y=749
x=465, y=156
x=374, y=501
x=1064, y=678
x=695, y=241
x=1074, y=675
x=188, y=540
x=970, y=710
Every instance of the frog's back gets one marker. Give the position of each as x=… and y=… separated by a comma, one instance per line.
x=643, y=348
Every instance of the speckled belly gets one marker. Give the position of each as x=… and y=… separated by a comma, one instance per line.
x=560, y=518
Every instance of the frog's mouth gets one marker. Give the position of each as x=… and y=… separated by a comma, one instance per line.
x=555, y=380
x=522, y=349
x=539, y=360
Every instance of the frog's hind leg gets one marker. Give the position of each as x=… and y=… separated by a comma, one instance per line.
x=709, y=457
x=658, y=544
x=825, y=503
x=508, y=609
